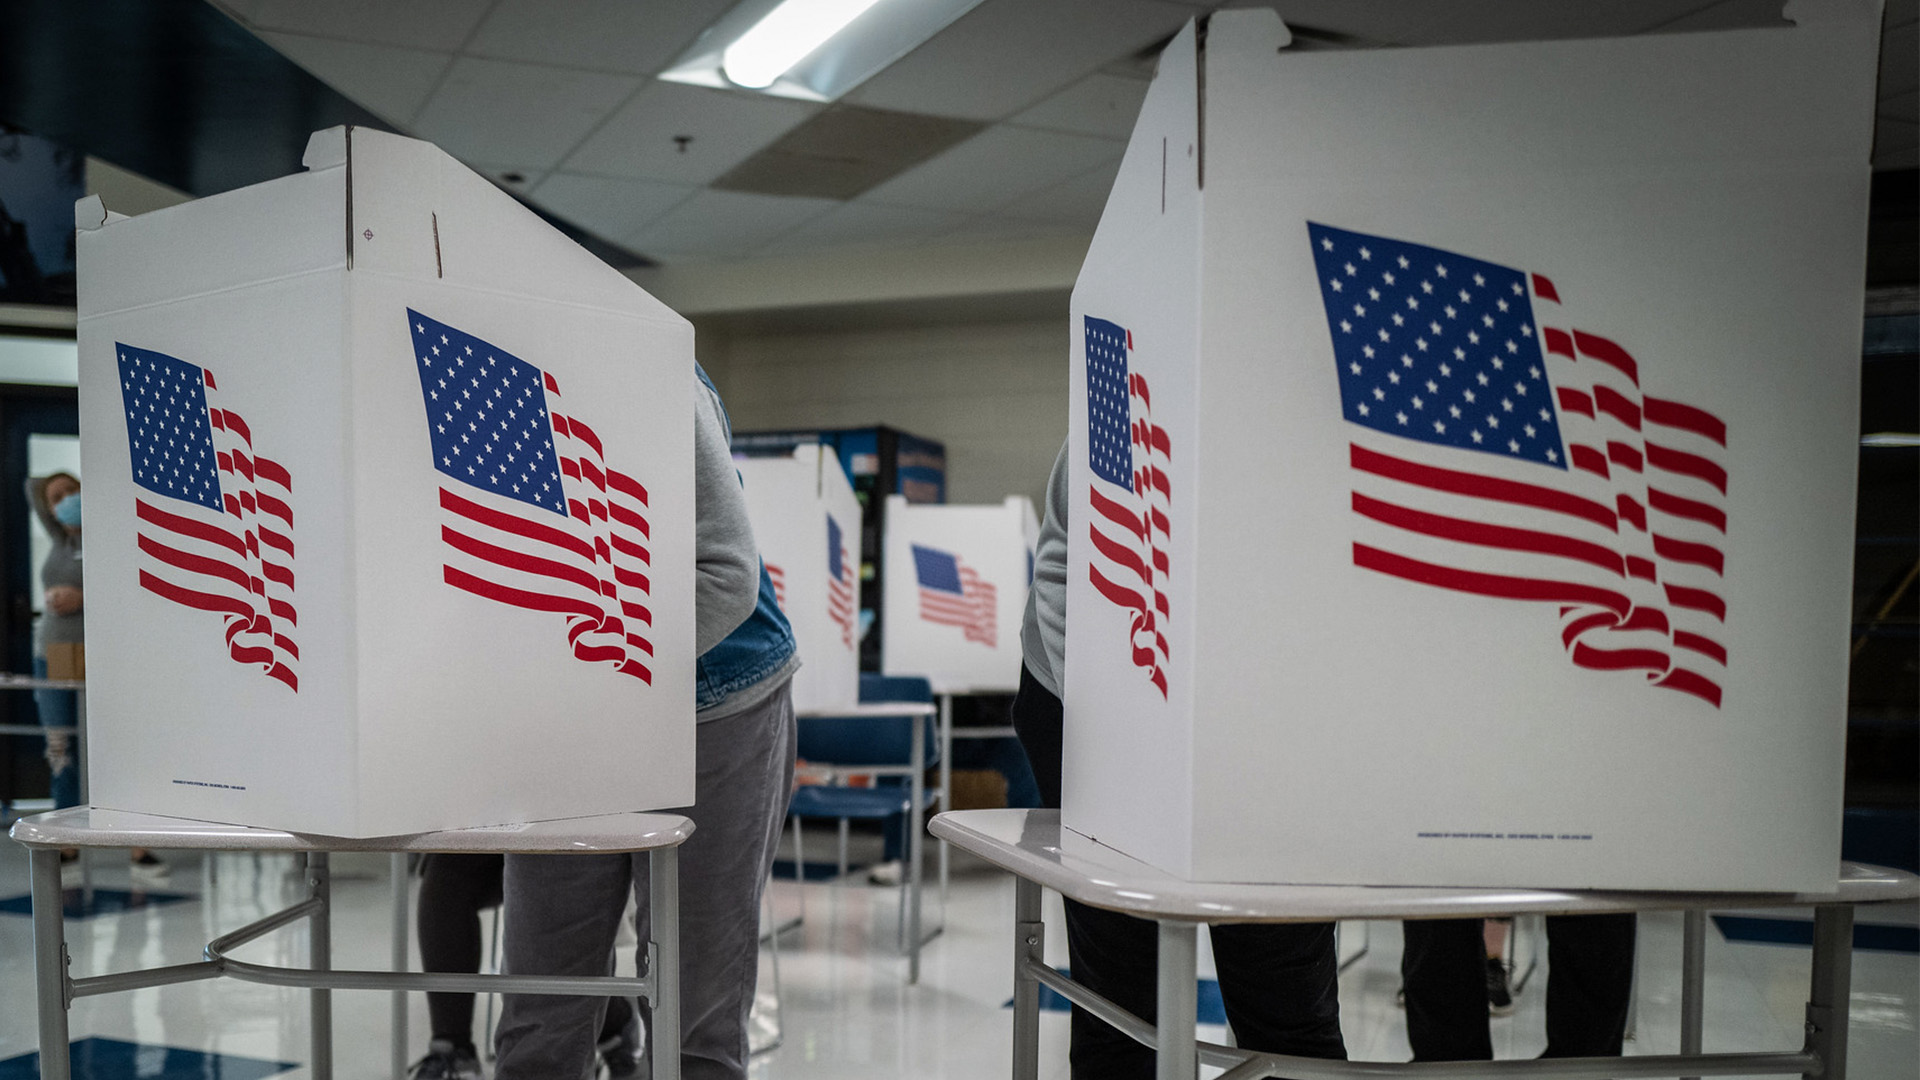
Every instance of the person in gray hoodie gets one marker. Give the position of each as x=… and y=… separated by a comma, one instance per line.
x=563, y=910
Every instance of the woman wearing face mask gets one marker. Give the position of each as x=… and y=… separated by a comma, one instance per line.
x=60, y=639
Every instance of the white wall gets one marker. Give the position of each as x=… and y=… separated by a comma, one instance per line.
x=994, y=393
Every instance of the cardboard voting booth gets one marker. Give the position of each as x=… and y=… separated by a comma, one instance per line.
x=956, y=590
x=1463, y=455
x=390, y=508
x=807, y=522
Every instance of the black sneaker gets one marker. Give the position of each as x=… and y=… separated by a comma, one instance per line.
x=444, y=1061
x=622, y=1055
x=1499, y=998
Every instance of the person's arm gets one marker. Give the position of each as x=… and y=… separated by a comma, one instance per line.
x=1050, y=572
x=725, y=558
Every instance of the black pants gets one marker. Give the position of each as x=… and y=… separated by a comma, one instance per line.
x=1279, y=981
x=1589, y=980
x=454, y=890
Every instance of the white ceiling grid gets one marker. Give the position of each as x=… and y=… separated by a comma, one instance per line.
x=556, y=100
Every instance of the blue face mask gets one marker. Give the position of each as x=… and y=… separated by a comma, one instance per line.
x=67, y=511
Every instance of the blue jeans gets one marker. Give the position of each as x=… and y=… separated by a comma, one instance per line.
x=56, y=708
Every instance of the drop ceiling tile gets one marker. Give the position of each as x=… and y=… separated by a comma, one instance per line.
x=723, y=224
x=859, y=223
x=1079, y=201
x=609, y=35
x=1096, y=105
x=995, y=167
x=725, y=128
x=435, y=25
x=389, y=81
x=491, y=110
x=994, y=227
x=1006, y=55
x=605, y=206
x=1466, y=21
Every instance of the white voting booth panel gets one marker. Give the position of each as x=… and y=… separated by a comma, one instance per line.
x=807, y=522
x=956, y=588
x=390, y=509
x=1463, y=446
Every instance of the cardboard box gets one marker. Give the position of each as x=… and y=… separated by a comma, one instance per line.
x=390, y=508
x=956, y=591
x=807, y=522
x=1463, y=448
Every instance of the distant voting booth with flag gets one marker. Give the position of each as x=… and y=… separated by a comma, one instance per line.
x=1462, y=460
x=955, y=592
x=390, y=515
x=807, y=522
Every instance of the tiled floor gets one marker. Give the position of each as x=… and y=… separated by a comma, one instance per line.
x=844, y=1008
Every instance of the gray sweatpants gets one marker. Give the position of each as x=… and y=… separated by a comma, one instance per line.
x=563, y=911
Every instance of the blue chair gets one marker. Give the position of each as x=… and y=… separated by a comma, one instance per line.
x=894, y=749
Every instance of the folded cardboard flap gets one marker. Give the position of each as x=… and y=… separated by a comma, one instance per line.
x=326, y=149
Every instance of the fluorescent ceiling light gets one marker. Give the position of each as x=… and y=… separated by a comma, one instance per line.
x=812, y=50
x=1890, y=438
x=787, y=34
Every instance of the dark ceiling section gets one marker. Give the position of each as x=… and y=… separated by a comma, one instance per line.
x=170, y=89
x=177, y=92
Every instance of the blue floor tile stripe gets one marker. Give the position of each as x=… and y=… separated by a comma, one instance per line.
x=95, y=1058
x=1209, y=1006
x=105, y=902
x=1874, y=937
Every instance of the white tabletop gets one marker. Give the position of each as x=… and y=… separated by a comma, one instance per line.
x=87, y=827
x=1031, y=844
x=872, y=708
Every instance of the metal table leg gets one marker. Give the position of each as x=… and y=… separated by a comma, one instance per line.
x=1693, y=980
x=397, y=865
x=1176, y=1057
x=917, y=786
x=1828, y=998
x=50, y=963
x=1029, y=942
x=946, y=789
x=663, y=961
x=320, y=881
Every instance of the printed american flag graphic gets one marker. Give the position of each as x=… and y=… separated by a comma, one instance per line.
x=1129, y=495
x=215, y=527
x=533, y=517
x=778, y=576
x=1606, y=503
x=953, y=594
x=840, y=603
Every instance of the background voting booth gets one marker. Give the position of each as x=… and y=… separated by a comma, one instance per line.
x=390, y=513
x=956, y=592
x=1463, y=445
x=807, y=522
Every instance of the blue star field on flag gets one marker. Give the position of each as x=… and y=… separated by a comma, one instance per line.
x=168, y=433
x=1436, y=346
x=1109, y=432
x=487, y=415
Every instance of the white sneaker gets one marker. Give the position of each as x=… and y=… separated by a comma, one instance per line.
x=891, y=872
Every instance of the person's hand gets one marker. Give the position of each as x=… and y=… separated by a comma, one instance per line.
x=64, y=599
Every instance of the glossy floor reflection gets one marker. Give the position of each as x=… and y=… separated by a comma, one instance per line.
x=843, y=1008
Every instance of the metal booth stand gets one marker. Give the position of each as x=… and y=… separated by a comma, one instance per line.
x=45, y=834
x=1039, y=853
